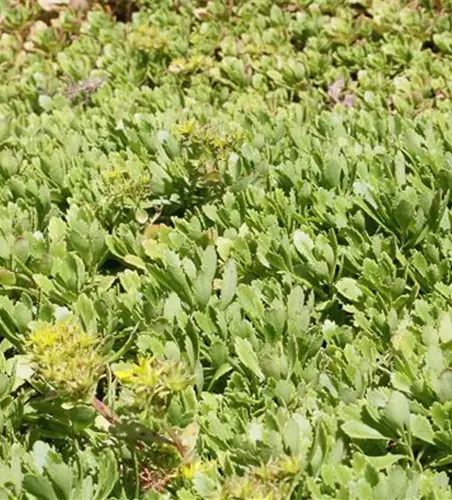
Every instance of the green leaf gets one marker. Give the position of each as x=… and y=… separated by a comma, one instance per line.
x=21, y=249
x=57, y=229
x=61, y=476
x=39, y=453
x=193, y=337
x=292, y=351
x=199, y=376
x=397, y=410
x=349, y=288
x=412, y=142
x=319, y=449
x=220, y=372
x=135, y=261
x=4, y=385
x=445, y=385
x=173, y=307
x=359, y=430
x=7, y=278
x=291, y=435
x=284, y=390
x=203, y=283
x=250, y=302
x=85, y=308
x=445, y=327
x=218, y=353
x=25, y=369
x=384, y=461
x=421, y=428
x=44, y=283
x=332, y=169
x=205, y=486
x=404, y=214
x=209, y=262
x=40, y=487
x=247, y=356
x=108, y=475
x=179, y=283
x=203, y=289
x=400, y=174
x=229, y=283
x=303, y=243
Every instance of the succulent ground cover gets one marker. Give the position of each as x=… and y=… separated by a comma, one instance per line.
x=225, y=249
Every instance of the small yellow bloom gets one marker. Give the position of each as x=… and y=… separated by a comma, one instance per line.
x=124, y=375
x=188, y=471
x=153, y=380
x=113, y=174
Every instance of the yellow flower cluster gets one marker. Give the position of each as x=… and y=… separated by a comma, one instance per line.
x=150, y=38
x=267, y=482
x=66, y=357
x=154, y=376
x=210, y=137
x=187, y=471
x=191, y=65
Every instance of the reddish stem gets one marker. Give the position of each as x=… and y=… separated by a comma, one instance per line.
x=111, y=416
x=105, y=411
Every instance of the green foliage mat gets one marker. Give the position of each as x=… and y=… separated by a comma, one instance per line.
x=225, y=250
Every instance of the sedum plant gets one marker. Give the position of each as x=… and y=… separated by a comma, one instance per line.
x=225, y=251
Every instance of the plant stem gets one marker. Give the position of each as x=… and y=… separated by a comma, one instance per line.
x=111, y=416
